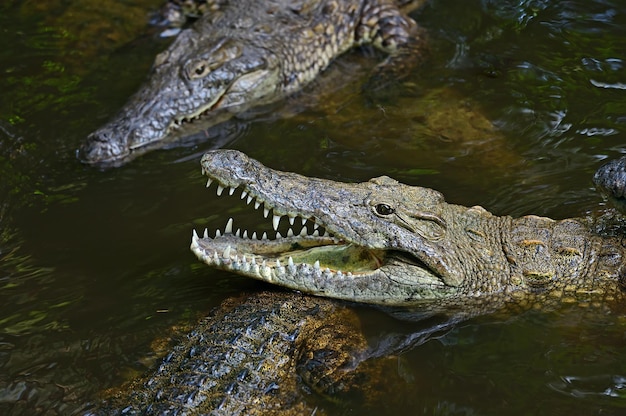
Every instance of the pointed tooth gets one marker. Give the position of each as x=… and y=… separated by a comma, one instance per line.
x=266, y=212
x=245, y=233
x=243, y=194
x=263, y=263
x=339, y=274
x=229, y=226
x=264, y=236
x=276, y=221
x=277, y=263
x=254, y=236
x=226, y=253
x=253, y=259
x=206, y=233
x=194, y=235
x=220, y=189
x=208, y=182
x=231, y=191
x=316, y=265
x=278, y=235
x=290, y=233
x=249, y=199
x=291, y=219
x=217, y=233
x=325, y=233
x=303, y=221
x=244, y=260
x=238, y=232
x=257, y=204
x=316, y=233
x=303, y=232
x=216, y=258
x=315, y=226
x=289, y=261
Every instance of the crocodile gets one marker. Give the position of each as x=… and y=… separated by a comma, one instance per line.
x=287, y=353
x=267, y=353
x=248, y=53
x=383, y=242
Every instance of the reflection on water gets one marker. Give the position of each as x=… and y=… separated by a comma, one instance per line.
x=517, y=105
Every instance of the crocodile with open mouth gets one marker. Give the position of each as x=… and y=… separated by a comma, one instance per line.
x=278, y=353
x=384, y=242
x=247, y=53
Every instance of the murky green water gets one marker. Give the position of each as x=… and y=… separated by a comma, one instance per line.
x=95, y=265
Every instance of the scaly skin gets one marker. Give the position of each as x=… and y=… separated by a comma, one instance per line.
x=253, y=356
x=247, y=53
x=396, y=244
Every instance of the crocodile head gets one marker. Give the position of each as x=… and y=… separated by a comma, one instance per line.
x=197, y=75
x=379, y=241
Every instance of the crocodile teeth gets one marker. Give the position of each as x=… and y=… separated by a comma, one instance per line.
x=257, y=204
x=217, y=233
x=229, y=226
x=243, y=194
x=226, y=253
x=231, y=191
x=208, y=182
x=291, y=219
x=276, y=221
x=266, y=212
x=316, y=265
x=220, y=189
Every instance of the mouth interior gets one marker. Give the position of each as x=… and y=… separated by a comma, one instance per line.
x=290, y=241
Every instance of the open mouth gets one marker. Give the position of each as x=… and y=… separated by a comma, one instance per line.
x=306, y=246
x=293, y=245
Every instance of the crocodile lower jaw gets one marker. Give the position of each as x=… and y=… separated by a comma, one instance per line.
x=273, y=260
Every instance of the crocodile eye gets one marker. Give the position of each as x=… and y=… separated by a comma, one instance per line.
x=199, y=69
x=384, y=209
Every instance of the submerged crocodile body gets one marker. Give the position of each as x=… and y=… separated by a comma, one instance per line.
x=241, y=360
x=270, y=353
x=393, y=244
x=246, y=53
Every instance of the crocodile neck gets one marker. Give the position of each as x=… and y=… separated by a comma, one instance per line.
x=562, y=260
